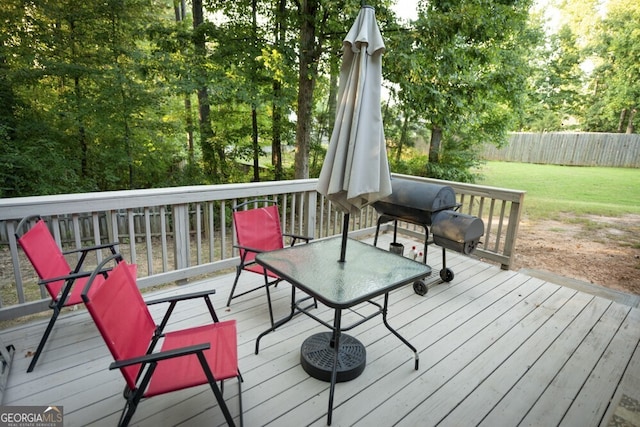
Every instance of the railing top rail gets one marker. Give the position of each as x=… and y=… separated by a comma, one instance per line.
x=19, y=207
x=206, y=227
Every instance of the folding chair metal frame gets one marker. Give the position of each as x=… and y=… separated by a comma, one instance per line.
x=60, y=296
x=149, y=360
x=248, y=253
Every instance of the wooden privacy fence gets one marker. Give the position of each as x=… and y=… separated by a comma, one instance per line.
x=569, y=148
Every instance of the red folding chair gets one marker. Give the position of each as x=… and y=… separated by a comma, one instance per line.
x=187, y=358
x=258, y=230
x=63, y=283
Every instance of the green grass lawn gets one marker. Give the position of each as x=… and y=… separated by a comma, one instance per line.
x=553, y=190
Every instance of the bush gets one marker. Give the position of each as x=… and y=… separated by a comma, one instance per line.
x=455, y=165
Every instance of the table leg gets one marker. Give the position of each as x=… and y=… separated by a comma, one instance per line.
x=334, y=373
x=407, y=343
x=279, y=322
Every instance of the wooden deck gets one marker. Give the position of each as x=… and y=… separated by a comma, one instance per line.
x=497, y=348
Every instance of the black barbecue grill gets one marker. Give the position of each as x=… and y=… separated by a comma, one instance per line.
x=434, y=205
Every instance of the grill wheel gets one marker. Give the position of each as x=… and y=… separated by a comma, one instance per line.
x=420, y=288
x=446, y=274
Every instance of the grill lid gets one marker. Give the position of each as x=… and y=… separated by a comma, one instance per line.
x=457, y=231
x=415, y=201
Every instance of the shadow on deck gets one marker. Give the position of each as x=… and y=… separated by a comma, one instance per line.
x=497, y=348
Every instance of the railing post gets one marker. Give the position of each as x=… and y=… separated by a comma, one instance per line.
x=13, y=249
x=71, y=215
x=311, y=202
x=512, y=230
x=181, y=235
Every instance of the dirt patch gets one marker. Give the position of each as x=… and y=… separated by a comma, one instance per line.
x=599, y=250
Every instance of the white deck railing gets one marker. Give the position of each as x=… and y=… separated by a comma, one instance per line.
x=175, y=234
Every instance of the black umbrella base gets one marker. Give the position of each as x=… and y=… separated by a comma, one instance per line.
x=317, y=356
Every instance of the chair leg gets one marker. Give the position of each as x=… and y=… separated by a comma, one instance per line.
x=43, y=340
x=216, y=391
x=129, y=408
x=266, y=287
x=240, y=397
x=235, y=283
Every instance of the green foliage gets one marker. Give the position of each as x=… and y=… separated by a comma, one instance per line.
x=582, y=78
x=104, y=95
x=457, y=165
x=86, y=114
x=462, y=70
x=615, y=87
x=25, y=171
x=556, y=84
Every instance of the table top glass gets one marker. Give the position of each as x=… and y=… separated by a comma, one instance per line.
x=367, y=271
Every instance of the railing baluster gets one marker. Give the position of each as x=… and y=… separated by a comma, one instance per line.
x=198, y=233
x=134, y=214
x=148, y=240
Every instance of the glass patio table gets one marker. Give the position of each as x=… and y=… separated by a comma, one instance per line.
x=366, y=273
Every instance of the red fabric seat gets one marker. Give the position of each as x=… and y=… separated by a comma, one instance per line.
x=49, y=262
x=187, y=358
x=258, y=230
x=63, y=283
x=222, y=358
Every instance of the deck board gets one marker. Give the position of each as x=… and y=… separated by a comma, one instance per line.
x=496, y=348
x=561, y=384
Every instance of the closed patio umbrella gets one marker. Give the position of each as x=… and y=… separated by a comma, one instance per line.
x=355, y=171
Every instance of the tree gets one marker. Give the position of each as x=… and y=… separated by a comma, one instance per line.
x=322, y=27
x=280, y=61
x=615, y=87
x=556, y=84
x=310, y=51
x=180, y=11
x=462, y=68
x=213, y=154
x=82, y=108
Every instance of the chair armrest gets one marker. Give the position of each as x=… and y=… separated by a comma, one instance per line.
x=71, y=275
x=182, y=297
x=86, y=250
x=248, y=248
x=162, y=355
x=297, y=237
x=175, y=299
x=91, y=248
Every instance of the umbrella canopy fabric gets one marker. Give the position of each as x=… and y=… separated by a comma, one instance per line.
x=355, y=171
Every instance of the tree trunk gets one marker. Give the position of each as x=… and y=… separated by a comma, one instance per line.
x=127, y=135
x=256, y=146
x=623, y=114
x=306, y=81
x=189, y=122
x=179, y=7
x=403, y=137
x=434, y=146
x=630, y=127
x=204, y=109
x=276, y=126
x=276, y=133
x=82, y=135
x=128, y=148
x=334, y=82
x=254, y=104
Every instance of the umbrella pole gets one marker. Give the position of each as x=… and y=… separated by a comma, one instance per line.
x=345, y=232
